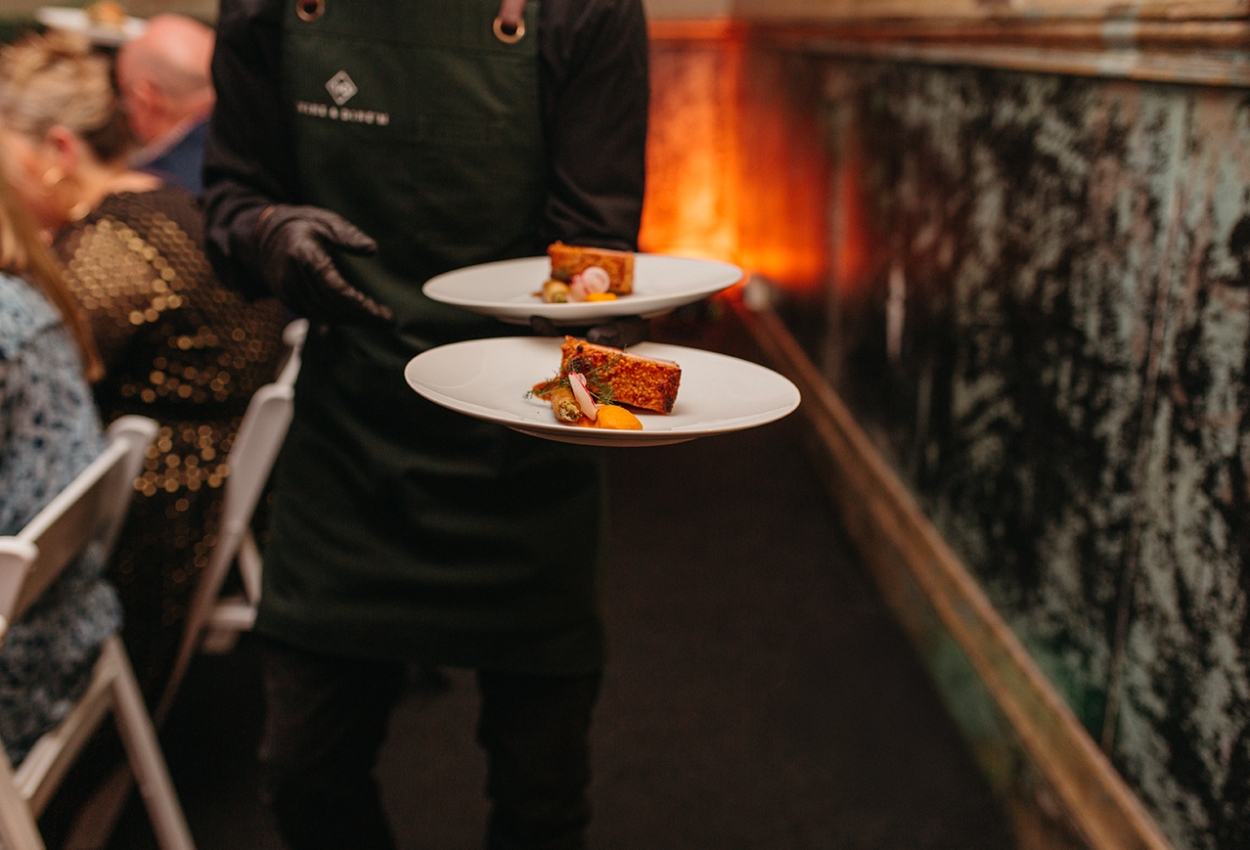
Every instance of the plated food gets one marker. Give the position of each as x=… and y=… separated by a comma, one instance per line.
x=597, y=384
x=106, y=13
x=105, y=23
x=587, y=274
x=506, y=289
x=491, y=379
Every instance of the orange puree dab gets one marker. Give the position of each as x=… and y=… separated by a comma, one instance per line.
x=617, y=418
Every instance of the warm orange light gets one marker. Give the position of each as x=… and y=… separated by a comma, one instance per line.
x=692, y=150
x=735, y=166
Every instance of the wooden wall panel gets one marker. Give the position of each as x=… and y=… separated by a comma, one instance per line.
x=1049, y=336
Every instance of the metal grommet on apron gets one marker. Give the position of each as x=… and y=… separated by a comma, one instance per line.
x=510, y=22
x=504, y=36
x=310, y=10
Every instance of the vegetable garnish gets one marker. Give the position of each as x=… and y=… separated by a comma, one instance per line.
x=582, y=394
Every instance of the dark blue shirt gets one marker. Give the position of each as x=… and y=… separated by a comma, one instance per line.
x=183, y=163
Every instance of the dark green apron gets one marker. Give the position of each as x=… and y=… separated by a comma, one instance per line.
x=401, y=529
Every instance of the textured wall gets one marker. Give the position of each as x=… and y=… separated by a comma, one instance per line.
x=1040, y=310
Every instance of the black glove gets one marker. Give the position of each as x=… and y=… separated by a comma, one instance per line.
x=621, y=332
x=295, y=244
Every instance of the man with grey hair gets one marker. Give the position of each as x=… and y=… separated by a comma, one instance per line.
x=166, y=84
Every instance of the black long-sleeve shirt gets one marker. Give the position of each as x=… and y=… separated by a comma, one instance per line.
x=593, y=74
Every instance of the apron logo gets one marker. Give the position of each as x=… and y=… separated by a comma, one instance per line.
x=341, y=88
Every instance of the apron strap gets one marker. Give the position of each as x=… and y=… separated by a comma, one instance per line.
x=510, y=24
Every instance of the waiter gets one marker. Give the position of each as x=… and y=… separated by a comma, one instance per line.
x=356, y=150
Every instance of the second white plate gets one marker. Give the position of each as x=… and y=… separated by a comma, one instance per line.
x=505, y=289
x=491, y=378
x=77, y=20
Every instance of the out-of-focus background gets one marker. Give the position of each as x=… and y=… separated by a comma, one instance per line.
x=1003, y=248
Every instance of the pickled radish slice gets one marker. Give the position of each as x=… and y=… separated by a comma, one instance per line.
x=581, y=394
x=595, y=279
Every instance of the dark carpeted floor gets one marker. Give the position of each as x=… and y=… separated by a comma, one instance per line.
x=758, y=696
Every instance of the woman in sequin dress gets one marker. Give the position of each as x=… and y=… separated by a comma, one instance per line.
x=177, y=346
x=49, y=432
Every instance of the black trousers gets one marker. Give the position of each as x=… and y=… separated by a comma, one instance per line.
x=326, y=720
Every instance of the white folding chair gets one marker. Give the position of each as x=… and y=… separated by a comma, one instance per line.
x=92, y=508
x=214, y=622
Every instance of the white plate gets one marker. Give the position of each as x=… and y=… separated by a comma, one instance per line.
x=505, y=289
x=76, y=20
x=491, y=378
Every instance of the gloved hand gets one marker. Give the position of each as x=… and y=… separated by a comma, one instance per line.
x=621, y=332
x=295, y=244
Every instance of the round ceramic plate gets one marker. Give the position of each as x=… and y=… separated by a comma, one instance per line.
x=76, y=20
x=491, y=379
x=506, y=289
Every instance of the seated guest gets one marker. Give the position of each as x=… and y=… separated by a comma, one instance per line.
x=49, y=432
x=177, y=346
x=167, y=88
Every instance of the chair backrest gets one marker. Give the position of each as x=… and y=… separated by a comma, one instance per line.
x=254, y=450
x=91, y=508
x=293, y=335
x=252, y=455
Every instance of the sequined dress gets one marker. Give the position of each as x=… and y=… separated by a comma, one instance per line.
x=184, y=350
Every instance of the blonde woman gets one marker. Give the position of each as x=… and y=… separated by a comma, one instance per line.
x=49, y=432
x=176, y=345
